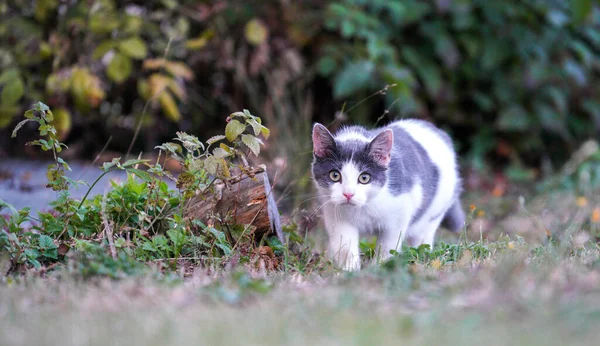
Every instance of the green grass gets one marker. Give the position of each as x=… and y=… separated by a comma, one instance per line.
x=515, y=294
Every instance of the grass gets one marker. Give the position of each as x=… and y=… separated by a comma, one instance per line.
x=515, y=294
x=523, y=272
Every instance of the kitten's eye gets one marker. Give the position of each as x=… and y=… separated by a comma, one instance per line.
x=364, y=178
x=335, y=175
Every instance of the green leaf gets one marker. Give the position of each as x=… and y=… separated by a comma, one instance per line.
x=62, y=162
x=12, y=92
x=353, y=77
x=45, y=242
x=134, y=48
x=133, y=162
x=119, y=68
x=581, y=10
x=211, y=164
x=256, y=127
x=145, y=176
x=103, y=48
x=514, y=118
x=326, y=66
x=252, y=143
x=9, y=75
x=233, y=129
x=169, y=106
x=109, y=165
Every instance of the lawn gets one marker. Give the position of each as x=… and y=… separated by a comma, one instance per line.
x=130, y=267
x=502, y=293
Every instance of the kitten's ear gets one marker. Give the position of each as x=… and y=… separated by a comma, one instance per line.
x=323, y=141
x=380, y=148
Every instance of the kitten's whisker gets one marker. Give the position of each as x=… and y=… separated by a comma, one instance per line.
x=310, y=199
x=319, y=208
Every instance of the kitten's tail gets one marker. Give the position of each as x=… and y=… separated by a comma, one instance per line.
x=454, y=220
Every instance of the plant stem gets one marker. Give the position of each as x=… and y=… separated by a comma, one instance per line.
x=91, y=187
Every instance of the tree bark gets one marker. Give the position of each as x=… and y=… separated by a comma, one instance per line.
x=243, y=200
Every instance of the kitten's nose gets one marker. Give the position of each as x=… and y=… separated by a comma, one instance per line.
x=348, y=195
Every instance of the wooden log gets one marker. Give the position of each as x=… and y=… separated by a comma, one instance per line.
x=246, y=199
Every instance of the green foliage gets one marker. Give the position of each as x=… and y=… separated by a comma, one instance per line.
x=521, y=72
x=139, y=220
x=43, y=50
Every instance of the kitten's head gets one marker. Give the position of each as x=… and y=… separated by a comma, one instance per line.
x=350, y=171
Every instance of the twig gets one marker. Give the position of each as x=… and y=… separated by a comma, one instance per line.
x=107, y=229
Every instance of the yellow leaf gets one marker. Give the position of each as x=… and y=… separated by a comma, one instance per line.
x=62, y=122
x=200, y=41
x=153, y=64
x=86, y=88
x=177, y=90
x=157, y=83
x=256, y=32
x=179, y=69
x=169, y=107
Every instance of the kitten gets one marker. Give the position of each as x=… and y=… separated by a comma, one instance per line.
x=398, y=182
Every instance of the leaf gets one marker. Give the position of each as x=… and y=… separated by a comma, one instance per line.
x=256, y=32
x=18, y=127
x=133, y=162
x=103, y=48
x=582, y=10
x=179, y=69
x=214, y=139
x=233, y=129
x=9, y=75
x=177, y=90
x=211, y=165
x=220, y=153
x=265, y=132
x=514, y=118
x=353, y=77
x=256, y=127
x=169, y=107
x=45, y=242
x=226, y=148
x=252, y=143
x=145, y=176
x=201, y=41
x=119, y=68
x=109, y=165
x=63, y=163
x=157, y=83
x=134, y=48
x=12, y=92
x=153, y=64
x=326, y=66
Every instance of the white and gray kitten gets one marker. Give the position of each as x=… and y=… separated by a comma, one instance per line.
x=398, y=182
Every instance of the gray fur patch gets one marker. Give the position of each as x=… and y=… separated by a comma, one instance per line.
x=411, y=164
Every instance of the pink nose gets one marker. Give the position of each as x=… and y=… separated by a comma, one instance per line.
x=348, y=195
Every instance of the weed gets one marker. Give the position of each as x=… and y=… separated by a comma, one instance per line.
x=140, y=220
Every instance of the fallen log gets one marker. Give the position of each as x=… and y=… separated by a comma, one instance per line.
x=246, y=199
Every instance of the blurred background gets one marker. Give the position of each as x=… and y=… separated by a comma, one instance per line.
x=515, y=82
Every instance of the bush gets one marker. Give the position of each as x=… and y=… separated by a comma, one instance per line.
x=518, y=78
x=515, y=81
